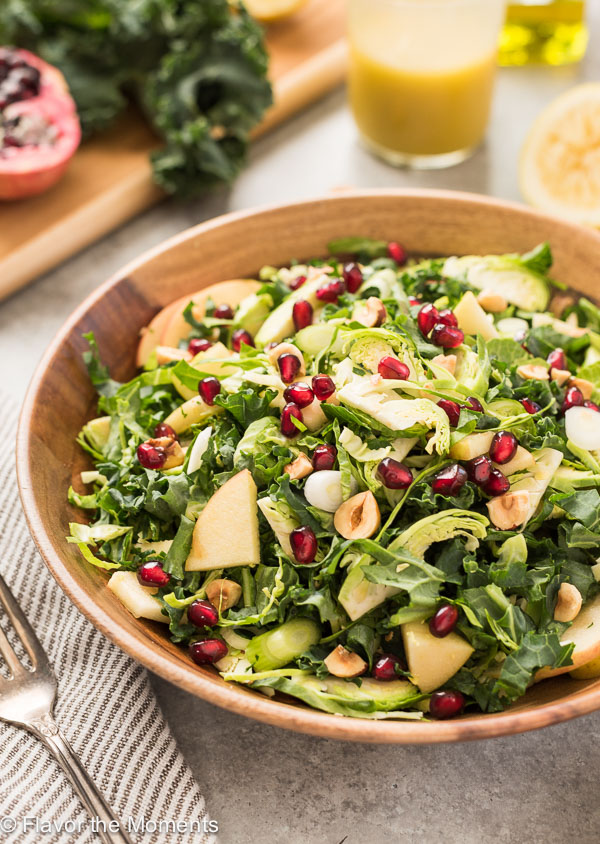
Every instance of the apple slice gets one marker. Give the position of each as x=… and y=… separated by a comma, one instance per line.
x=226, y=533
x=152, y=334
x=432, y=661
x=211, y=361
x=135, y=597
x=190, y=413
x=473, y=319
x=222, y=293
x=472, y=446
x=585, y=633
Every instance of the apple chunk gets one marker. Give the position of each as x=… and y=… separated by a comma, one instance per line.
x=585, y=633
x=150, y=336
x=432, y=661
x=135, y=597
x=229, y=292
x=190, y=413
x=226, y=533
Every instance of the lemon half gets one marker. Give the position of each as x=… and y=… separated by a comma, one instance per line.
x=272, y=10
x=560, y=161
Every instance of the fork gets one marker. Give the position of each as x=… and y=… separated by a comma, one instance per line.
x=27, y=700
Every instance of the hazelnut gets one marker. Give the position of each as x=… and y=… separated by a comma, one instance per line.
x=446, y=361
x=344, y=663
x=370, y=313
x=286, y=349
x=533, y=371
x=168, y=354
x=586, y=387
x=493, y=303
x=358, y=517
x=568, y=603
x=175, y=453
x=223, y=594
x=299, y=468
x=559, y=302
x=560, y=375
x=510, y=510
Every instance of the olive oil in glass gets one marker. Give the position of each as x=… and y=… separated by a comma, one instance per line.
x=544, y=32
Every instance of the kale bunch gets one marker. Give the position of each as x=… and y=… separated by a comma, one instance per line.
x=197, y=69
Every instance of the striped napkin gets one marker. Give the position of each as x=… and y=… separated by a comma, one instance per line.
x=105, y=706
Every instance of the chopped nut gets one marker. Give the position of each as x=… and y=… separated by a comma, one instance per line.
x=175, y=453
x=223, y=594
x=568, y=603
x=344, y=663
x=493, y=303
x=533, y=371
x=286, y=349
x=168, y=354
x=299, y=468
x=586, y=387
x=560, y=375
x=446, y=361
x=313, y=417
x=370, y=313
x=358, y=517
x=510, y=510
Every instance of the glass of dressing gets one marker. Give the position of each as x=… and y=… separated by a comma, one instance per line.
x=421, y=76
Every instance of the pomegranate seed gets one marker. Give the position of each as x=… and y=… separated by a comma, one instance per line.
x=557, y=359
x=452, y=409
x=496, y=484
x=479, y=469
x=207, y=651
x=530, y=406
x=397, y=253
x=241, y=336
x=427, y=318
x=197, y=344
x=474, y=404
x=153, y=574
x=447, y=317
x=446, y=336
x=504, y=447
x=384, y=667
x=302, y=314
x=323, y=457
x=289, y=366
x=164, y=430
x=323, y=386
x=445, y=704
x=413, y=301
x=203, y=614
x=223, y=312
x=443, y=621
x=331, y=291
x=209, y=388
x=288, y=429
x=297, y=282
x=591, y=404
x=573, y=398
x=304, y=544
x=393, y=474
x=151, y=456
x=299, y=393
x=389, y=367
x=450, y=480
x=353, y=276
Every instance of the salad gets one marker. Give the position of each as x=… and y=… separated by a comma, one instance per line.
x=366, y=483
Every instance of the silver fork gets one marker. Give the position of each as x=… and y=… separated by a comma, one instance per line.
x=27, y=700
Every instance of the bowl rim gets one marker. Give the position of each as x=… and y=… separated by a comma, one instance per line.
x=229, y=697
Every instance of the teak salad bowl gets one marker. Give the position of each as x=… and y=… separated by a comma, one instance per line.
x=61, y=399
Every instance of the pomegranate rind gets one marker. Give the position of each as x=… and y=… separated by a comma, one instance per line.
x=28, y=171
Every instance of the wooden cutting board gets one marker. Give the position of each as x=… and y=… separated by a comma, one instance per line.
x=109, y=179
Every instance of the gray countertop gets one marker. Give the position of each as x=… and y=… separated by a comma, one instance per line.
x=263, y=784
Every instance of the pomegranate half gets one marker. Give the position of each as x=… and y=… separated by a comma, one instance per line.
x=39, y=127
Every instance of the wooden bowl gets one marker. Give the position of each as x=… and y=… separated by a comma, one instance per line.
x=61, y=399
